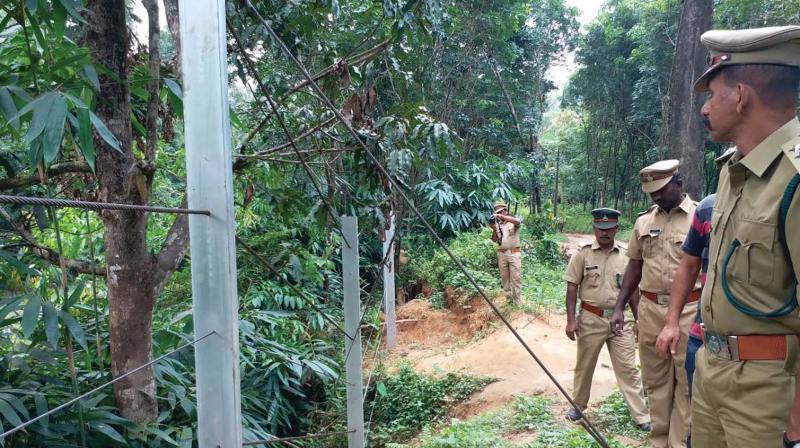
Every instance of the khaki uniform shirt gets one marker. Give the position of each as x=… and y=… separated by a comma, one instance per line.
x=510, y=235
x=748, y=202
x=657, y=239
x=597, y=273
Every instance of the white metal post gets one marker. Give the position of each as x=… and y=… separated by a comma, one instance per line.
x=209, y=186
x=388, y=286
x=352, y=346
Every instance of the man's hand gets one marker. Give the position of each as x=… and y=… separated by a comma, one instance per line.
x=667, y=342
x=617, y=322
x=571, y=330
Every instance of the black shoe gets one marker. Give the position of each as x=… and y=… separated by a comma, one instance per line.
x=646, y=427
x=573, y=415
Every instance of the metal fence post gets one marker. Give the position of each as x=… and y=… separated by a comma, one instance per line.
x=352, y=317
x=389, y=292
x=209, y=186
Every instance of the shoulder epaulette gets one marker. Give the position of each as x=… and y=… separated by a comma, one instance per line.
x=725, y=157
x=792, y=151
x=586, y=244
x=648, y=210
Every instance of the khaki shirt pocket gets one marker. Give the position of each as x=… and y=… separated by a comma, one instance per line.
x=650, y=244
x=591, y=278
x=753, y=262
x=716, y=215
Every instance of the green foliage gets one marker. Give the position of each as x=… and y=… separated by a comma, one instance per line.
x=475, y=249
x=532, y=413
x=479, y=432
x=406, y=401
x=613, y=417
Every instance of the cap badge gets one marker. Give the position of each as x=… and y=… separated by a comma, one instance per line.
x=605, y=218
x=648, y=177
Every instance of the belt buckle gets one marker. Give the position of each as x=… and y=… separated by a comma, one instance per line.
x=508, y=252
x=662, y=299
x=607, y=313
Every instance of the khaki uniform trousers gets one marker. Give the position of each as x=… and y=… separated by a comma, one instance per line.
x=594, y=332
x=510, y=274
x=665, y=379
x=740, y=403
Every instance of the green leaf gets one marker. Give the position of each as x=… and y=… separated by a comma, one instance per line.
x=51, y=324
x=9, y=414
x=74, y=329
x=16, y=264
x=40, y=107
x=41, y=408
x=91, y=75
x=8, y=107
x=32, y=5
x=85, y=137
x=109, y=432
x=54, y=131
x=76, y=294
x=174, y=87
x=72, y=8
x=30, y=316
x=104, y=132
x=381, y=388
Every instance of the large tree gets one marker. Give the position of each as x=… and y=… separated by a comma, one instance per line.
x=685, y=132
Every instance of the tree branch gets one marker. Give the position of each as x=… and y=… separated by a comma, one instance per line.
x=50, y=255
x=54, y=170
x=154, y=52
x=172, y=251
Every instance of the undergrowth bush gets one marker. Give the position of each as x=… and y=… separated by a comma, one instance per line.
x=474, y=249
x=404, y=402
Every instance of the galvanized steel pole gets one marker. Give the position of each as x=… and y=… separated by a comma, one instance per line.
x=213, y=248
x=352, y=321
x=389, y=292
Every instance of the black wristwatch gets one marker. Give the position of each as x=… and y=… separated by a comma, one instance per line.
x=790, y=443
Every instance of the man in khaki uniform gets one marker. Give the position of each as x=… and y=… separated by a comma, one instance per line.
x=596, y=271
x=745, y=388
x=655, y=252
x=505, y=232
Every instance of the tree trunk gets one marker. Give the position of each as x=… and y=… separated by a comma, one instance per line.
x=130, y=267
x=686, y=133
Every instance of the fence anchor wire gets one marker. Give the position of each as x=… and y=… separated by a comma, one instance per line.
x=88, y=205
x=100, y=387
x=591, y=429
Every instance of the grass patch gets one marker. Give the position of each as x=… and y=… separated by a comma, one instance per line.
x=612, y=417
x=531, y=414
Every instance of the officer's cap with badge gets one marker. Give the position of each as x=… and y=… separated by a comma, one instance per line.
x=658, y=175
x=500, y=206
x=778, y=45
x=605, y=218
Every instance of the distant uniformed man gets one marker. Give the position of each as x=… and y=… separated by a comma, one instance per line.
x=505, y=232
x=655, y=252
x=745, y=385
x=595, y=273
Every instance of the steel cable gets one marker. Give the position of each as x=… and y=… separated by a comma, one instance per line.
x=87, y=205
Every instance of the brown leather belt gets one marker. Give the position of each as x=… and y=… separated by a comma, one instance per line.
x=602, y=312
x=694, y=296
x=513, y=250
x=751, y=347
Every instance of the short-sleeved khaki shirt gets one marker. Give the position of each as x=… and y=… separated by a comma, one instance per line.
x=748, y=202
x=510, y=235
x=597, y=273
x=657, y=238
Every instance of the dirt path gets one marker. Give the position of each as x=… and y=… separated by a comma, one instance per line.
x=498, y=355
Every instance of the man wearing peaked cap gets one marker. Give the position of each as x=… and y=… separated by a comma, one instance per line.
x=655, y=252
x=505, y=232
x=745, y=391
x=595, y=273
